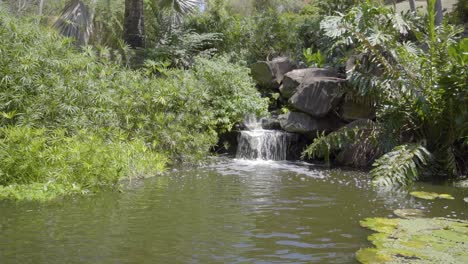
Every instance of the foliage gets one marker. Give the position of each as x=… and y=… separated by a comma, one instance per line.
x=179, y=47
x=324, y=145
x=37, y=160
x=313, y=59
x=259, y=35
x=416, y=74
x=402, y=163
x=45, y=83
x=459, y=14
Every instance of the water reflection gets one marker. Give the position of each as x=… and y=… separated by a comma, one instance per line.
x=231, y=211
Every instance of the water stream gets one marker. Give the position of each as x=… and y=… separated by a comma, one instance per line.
x=231, y=211
x=256, y=143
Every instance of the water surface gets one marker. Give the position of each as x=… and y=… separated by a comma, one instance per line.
x=232, y=211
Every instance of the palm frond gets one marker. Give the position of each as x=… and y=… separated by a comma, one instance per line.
x=75, y=22
x=400, y=166
x=323, y=145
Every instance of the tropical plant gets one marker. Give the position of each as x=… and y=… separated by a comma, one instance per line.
x=48, y=88
x=419, y=88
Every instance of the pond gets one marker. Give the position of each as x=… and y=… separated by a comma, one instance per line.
x=231, y=211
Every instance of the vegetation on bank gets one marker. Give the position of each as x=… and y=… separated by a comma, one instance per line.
x=415, y=75
x=74, y=121
x=190, y=82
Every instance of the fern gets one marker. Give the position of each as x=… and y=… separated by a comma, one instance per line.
x=323, y=145
x=400, y=166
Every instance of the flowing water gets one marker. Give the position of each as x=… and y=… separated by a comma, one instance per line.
x=232, y=211
x=256, y=143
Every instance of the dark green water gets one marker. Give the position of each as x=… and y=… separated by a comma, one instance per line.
x=228, y=212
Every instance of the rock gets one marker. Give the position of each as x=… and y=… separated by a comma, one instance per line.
x=362, y=153
x=461, y=184
x=351, y=110
x=294, y=78
x=296, y=122
x=317, y=96
x=269, y=74
x=271, y=124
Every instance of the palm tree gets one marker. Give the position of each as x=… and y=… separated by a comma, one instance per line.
x=134, y=24
x=439, y=15
x=412, y=4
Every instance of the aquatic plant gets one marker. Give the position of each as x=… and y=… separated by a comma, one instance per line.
x=416, y=240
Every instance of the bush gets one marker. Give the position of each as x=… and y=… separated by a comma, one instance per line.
x=85, y=162
x=47, y=86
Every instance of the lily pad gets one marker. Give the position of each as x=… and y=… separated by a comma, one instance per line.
x=416, y=240
x=431, y=195
x=409, y=213
x=446, y=196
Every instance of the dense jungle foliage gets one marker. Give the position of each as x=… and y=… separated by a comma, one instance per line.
x=64, y=102
x=80, y=121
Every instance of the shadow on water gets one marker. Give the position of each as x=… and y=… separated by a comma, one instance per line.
x=230, y=211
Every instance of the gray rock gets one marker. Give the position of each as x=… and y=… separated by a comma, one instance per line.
x=271, y=124
x=269, y=74
x=293, y=79
x=317, y=96
x=351, y=110
x=297, y=122
x=461, y=184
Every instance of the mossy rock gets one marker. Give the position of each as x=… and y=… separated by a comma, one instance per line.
x=416, y=240
x=431, y=195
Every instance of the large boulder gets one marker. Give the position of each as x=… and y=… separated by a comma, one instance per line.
x=297, y=122
x=269, y=74
x=352, y=110
x=294, y=78
x=317, y=96
x=271, y=124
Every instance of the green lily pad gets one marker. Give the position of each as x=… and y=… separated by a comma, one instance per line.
x=431, y=195
x=409, y=213
x=372, y=255
x=416, y=240
x=425, y=195
x=446, y=196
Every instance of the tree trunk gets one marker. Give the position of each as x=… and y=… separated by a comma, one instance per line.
x=412, y=4
x=439, y=15
x=41, y=5
x=134, y=27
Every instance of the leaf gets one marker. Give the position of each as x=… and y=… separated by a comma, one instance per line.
x=431, y=195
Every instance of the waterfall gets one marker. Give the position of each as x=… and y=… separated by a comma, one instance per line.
x=258, y=143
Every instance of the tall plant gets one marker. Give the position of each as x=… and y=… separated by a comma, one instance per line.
x=420, y=92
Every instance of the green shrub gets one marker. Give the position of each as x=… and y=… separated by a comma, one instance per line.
x=85, y=162
x=50, y=93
